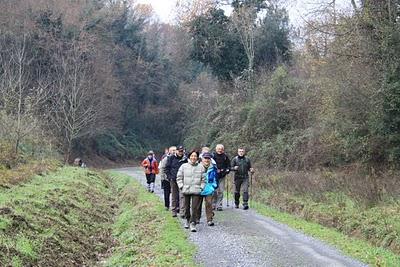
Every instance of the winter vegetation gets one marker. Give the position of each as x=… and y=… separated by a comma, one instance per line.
x=317, y=107
x=76, y=217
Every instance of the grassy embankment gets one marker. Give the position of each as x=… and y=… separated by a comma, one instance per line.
x=23, y=172
x=370, y=233
x=80, y=217
x=147, y=235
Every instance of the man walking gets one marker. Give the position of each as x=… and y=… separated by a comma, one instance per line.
x=223, y=167
x=241, y=165
x=172, y=166
x=150, y=166
x=210, y=186
x=165, y=184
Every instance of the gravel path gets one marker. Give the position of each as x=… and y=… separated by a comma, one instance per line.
x=245, y=238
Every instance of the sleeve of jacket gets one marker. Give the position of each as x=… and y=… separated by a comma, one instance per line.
x=213, y=177
x=162, y=168
x=233, y=163
x=144, y=164
x=203, y=179
x=227, y=164
x=156, y=170
x=179, y=177
x=167, y=168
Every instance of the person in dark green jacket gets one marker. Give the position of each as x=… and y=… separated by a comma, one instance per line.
x=241, y=165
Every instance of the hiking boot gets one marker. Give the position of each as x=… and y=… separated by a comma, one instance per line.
x=174, y=214
x=193, y=227
x=236, y=206
x=186, y=225
x=245, y=207
x=182, y=216
x=210, y=223
x=198, y=222
x=219, y=208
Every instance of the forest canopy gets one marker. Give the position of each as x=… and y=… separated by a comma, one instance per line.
x=108, y=78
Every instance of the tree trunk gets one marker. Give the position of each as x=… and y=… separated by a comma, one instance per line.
x=67, y=152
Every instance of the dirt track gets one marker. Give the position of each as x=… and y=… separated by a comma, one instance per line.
x=245, y=238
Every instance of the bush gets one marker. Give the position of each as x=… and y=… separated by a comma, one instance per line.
x=7, y=155
x=115, y=146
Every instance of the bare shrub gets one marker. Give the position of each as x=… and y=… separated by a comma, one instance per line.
x=366, y=186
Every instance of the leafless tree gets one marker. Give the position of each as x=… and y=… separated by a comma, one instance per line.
x=74, y=110
x=244, y=19
x=187, y=10
x=21, y=99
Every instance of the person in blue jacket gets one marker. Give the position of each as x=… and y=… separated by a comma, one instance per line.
x=211, y=184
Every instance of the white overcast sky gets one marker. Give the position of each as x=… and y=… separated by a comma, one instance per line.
x=297, y=8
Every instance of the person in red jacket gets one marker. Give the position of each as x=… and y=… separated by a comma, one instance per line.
x=150, y=166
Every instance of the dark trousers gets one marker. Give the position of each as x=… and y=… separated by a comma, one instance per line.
x=192, y=206
x=166, y=186
x=174, y=196
x=242, y=184
x=201, y=206
x=151, y=178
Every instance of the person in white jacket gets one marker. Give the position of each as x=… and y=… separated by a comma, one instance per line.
x=190, y=180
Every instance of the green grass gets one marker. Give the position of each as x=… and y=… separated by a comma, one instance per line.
x=23, y=172
x=147, y=235
x=26, y=247
x=74, y=216
x=63, y=218
x=353, y=247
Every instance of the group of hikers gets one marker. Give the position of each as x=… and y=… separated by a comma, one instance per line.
x=194, y=177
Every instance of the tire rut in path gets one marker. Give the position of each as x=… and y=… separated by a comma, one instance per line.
x=245, y=238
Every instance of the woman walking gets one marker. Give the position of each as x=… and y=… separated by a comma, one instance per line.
x=190, y=180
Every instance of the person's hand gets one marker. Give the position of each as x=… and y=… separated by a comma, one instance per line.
x=236, y=168
x=227, y=171
x=251, y=170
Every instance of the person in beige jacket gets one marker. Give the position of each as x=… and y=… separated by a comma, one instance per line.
x=190, y=180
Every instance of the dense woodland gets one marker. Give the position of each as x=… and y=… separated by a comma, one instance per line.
x=318, y=104
x=107, y=78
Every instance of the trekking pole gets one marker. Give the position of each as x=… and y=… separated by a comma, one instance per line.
x=251, y=189
x=227, y=190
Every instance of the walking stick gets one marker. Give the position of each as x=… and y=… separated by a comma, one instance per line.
x=227, y=190
x=251, y=188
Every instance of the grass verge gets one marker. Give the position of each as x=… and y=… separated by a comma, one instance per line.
x=60, y=219
x=146, y=234
x=22, y=173
x=353, y=247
